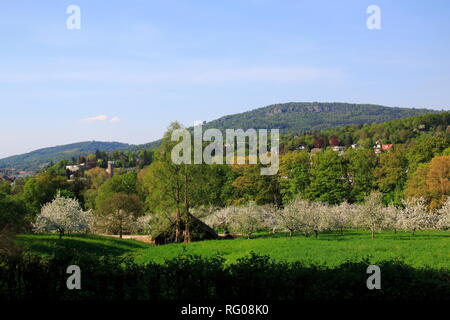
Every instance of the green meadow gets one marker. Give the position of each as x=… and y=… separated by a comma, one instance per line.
x=425, y=249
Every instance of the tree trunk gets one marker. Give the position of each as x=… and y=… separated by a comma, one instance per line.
x=178, y=218
x=316, y=233
x=290, y=233
x=373, y=235
x=187, y=233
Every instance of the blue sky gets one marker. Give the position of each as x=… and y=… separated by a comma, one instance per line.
x=135, y=66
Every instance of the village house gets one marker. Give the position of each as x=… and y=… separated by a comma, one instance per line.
x=386, y=147
x=338, y=148
x=379, y=147
x=73, y=171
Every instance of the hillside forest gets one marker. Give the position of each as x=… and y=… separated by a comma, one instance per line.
x=399, y=160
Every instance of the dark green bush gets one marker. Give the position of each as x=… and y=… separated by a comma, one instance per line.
x=190, y=277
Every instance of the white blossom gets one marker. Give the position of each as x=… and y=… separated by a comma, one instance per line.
x=247, y=219
x=62, y=215
x=392, y=218
x=415, y=216
x=370, y=214
x=444, y=215
x=341, y=216
x=290, y=218
x=269, y=217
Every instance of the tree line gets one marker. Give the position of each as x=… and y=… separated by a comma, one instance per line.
x=416, y=167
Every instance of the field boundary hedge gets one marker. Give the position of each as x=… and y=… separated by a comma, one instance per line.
x=192, y=277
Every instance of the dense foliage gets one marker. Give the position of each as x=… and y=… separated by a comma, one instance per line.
x=289, y=118
x=40, y=158
x=189, y=277
x=415, y=166
x=297, y=117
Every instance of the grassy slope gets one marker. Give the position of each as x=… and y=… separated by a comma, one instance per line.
x=427, y=248
x=46, y=244
x=431, y=248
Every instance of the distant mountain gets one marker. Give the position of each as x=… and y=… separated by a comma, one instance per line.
x=293, y=117
x=40, y=158
x=298, y=117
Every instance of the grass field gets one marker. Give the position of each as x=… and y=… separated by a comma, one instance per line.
x=426, y=248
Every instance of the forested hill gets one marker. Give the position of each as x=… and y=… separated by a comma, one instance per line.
x=293, y=117
x=39, y=158
x=298, y=117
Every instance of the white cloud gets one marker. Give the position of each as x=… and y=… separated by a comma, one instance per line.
x=101, y=117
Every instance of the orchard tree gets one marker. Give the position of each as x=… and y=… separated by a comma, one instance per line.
x=371, y=214
x=248, y=219
x=444, y=215
x=62, y=215
x=270, y=215
x=303, y=215
x=290, y=218
x=341, y=216
x=119, y=214
x=415, y=215
x=222, y=218
x=316, y=217
x=392, y=218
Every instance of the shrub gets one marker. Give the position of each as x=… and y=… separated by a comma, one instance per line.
x=190, y=277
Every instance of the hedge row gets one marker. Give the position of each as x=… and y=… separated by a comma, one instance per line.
x=189, y=277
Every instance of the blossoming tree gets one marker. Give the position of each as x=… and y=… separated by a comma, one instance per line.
x=444, y=215
x=62, y=215
x=371, y=214
x=415, y=215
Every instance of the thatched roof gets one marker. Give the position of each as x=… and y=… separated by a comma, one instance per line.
x=199, y=231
